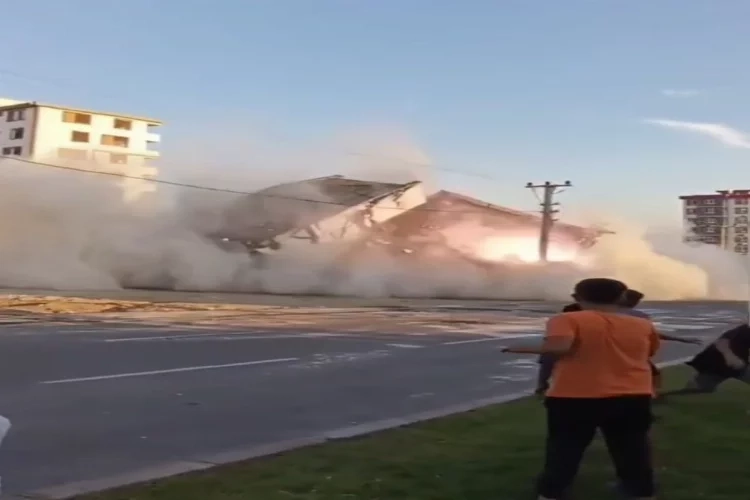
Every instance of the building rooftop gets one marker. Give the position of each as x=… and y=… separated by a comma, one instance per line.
x=724, y=193
x=448, y=203
x=10, y=104
x=294, y=205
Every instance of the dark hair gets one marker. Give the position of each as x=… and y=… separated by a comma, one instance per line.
x=631, y=298
x=601, y=291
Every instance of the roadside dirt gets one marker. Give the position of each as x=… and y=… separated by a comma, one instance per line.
x=76, y=306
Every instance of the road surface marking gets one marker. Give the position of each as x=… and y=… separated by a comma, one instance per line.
x=405, y=346
x=688, y=326
x=521, y=363
x=493, y=339
x=510, y=378
x=173, y=370
x=161, y=337
x=222, y=336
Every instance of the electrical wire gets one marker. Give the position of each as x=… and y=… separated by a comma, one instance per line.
x=249, y=193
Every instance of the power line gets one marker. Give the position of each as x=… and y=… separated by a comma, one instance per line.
x=232, y=191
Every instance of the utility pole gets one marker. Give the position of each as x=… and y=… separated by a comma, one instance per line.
x=547, y=201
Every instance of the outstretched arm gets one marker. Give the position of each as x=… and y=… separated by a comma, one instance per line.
x=683, y=340
x=558, y=340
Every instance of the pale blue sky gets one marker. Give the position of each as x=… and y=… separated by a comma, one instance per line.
x=517, y=89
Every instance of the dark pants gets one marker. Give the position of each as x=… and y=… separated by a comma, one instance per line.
x=571, y=425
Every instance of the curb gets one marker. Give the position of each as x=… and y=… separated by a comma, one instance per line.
x=176, y=468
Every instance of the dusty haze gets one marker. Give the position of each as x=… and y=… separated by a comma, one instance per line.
x=75, y=231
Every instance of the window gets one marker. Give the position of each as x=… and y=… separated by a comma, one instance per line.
x=123, y=124
x=740, y=201
x=16, y=115
x=710, y=202
x=72, y=154
x=740, y=248
x=742, y=219
x=740, y=210
x=14, y=151
x=740, y=238
x=16, y=133
x=118, y=159
x=78, y=136
x=710, y=230
x=690, y=211
x=740, y=230
x=115, y=140
x=711, y=220
x=710, y=211
x=79, y=118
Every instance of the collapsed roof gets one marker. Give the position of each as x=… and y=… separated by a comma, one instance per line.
x=445, y=208
x=451, y=227
x=397, y=215
x=287, y=208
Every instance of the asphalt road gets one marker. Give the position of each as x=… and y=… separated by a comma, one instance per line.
x=97, y=398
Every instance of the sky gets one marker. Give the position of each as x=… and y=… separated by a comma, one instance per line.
x=635, y=102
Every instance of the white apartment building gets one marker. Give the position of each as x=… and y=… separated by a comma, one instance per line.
x=720, y=219
x=98, y=140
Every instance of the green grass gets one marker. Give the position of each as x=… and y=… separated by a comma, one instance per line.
x=702, y=451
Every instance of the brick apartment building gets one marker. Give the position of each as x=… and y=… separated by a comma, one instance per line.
x=719, y=219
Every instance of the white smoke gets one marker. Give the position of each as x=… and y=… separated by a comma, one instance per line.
x=73, y=231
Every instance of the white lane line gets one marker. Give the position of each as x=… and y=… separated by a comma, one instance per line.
x=493, y=339
x=172, y=370
x=687, y=326
x=406, y=346
x=162, y=337
x=222, y=336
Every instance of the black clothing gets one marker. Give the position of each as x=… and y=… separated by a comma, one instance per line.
x=624, y=421
x=711, y=361
x=572, y=308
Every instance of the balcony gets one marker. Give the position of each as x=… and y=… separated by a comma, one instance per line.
x=153, y=138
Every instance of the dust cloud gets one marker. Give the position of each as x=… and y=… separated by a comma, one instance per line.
x=65, y=230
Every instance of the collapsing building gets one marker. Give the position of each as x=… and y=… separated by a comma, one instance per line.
x=397, y=218
x=450, y=225
x=323, y=210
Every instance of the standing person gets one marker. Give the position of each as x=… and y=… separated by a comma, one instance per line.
x=726, y=358
x=630, y=300
x=547, y=361
x=602, y=381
